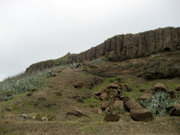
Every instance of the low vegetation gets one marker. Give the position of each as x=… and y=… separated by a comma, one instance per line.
x=159, y=103
x=26, y=82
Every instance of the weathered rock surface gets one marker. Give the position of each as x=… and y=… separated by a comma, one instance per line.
x=76, y=114
x=122, y=47
x=174, y=110
x=131, y=104
x=146, y=96
x=141, y=114
x=111, y=118
x=160, y=87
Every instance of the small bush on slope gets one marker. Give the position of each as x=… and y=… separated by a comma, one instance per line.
x=159, y=103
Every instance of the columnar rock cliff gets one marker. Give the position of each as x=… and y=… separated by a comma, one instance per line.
x=122, y=47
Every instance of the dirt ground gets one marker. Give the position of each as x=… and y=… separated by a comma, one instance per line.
x=159, y=126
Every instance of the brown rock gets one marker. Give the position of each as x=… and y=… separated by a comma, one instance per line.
x=99, y=111
x=111, y=118
x=76, y=113
x=160, y=87
x=118, y=103
x=178, y=88
x=132, y=104
x=113, y=86
x=127, y=88
x=174, y=110
x=105, y=105
x=146, y=96
x=113, y=93
x=141, y=114
x=104, y=96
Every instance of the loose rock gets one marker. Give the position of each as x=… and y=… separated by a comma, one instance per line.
x=111, y=118
x=141, y=114
x=160, y=87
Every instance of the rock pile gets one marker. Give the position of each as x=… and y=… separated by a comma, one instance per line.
x=113, y=102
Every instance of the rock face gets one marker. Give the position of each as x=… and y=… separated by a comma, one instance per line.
x=122, y=47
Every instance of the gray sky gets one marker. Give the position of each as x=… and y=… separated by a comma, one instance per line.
x=36, y=30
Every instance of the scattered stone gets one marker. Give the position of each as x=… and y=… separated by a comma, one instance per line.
x=76, y=113
x=178, y=88
x=99, y=111
x=127, y=88
x=29, y=94
x=113, y=86
x=142, y=90
x=58, y=94
x=113, y=93
x=132, y=104
x=78, y=85
x=160, y=87
x=146, y=96
x=174, y=110
x=25, y=116
x=141, y=114
x=148, y=90
x=42, y=99
x=45, y=119
x=105, y=105
x=104, y=96
x=50, y=105
x=111, y=118
x=172, y=94
x=9, y=109
x=119, y=104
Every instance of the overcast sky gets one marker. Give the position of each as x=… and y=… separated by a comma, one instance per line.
x=36, y=30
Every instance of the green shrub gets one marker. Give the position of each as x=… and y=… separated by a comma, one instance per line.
x=158, y=104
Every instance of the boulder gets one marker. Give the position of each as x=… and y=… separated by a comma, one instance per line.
x=146, y=96
x=105, y=105
x=160, y=87
x=132, y=104
x=141, y=114
x=127, y=88
x=113, y=86
x=172, y=94
x=174, y=110
x=104, y=96
x=119, y=104
x=76, y=114
x=113, y=93
x=178, y=88
x=111, y=118
x=25, y=116
x=78, y=85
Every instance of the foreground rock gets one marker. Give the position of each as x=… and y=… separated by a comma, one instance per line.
x=146, y=96
x=111, y=118
x=76, y=114
x=131, y=104
x=174, y=110
x=160, y=87
x=141, y=114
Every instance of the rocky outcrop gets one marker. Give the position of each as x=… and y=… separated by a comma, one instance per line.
x=122, y=47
